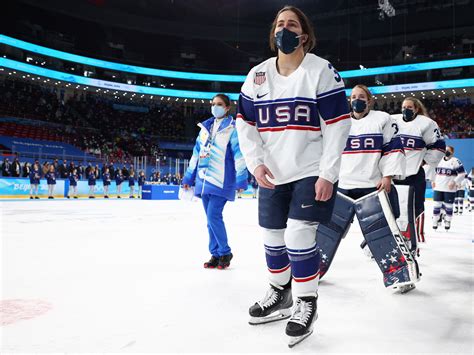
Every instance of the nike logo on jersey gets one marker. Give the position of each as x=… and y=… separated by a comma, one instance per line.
x=260, y=96
x=305, y=206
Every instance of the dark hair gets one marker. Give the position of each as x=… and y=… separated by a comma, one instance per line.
x=224, y=98
x=306, y=26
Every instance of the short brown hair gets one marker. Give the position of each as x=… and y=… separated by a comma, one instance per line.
x=306, y=26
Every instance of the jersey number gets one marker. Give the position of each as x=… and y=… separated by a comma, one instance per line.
x=436, y=130
x=337, y=77
x=395, y=126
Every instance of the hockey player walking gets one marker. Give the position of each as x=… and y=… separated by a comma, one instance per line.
x=293, y=123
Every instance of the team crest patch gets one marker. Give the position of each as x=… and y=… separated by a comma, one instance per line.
x=259, y=78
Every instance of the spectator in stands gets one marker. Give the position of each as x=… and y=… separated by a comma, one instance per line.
x=125, y=172
x=45, y=168
x=131, y=183
x=35, y=176
x=63, y=170
x=56, y=165
x=141, y=182
x=26, y=170
x=15, y=168
x=88, y=170
x=51, y=180
x=106, y=180
x=112, y=170
x=91, y=182
x=80, y=171
x=6, y=168
x=71, y=168
x=73, y=179
x=97, y=172
x=118, y=182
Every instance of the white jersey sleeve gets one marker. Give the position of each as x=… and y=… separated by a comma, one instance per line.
x=335, y=125
x=461, y=173
x=392, y=162
x=251, y=143
x=435, y=144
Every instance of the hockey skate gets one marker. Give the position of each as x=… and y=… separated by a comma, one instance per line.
x=300, y=325
x=436, y=223
x=447, y=225
x=212, y=263
x=275, y=306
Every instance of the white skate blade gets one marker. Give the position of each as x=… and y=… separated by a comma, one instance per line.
x=274, y=317
x=296, y=340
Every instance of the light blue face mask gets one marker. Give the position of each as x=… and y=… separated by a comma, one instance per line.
x=218, y=111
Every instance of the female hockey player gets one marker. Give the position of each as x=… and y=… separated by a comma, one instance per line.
x=217, y=170
x=372, y=157
x=292, y=108
x=423, y=144
x=449, y=173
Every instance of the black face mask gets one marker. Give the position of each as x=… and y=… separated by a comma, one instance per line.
x=287, y=41
x=358, y=105
x=408, y=114
x=448, y=154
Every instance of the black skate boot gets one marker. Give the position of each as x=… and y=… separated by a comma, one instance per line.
x=212, y=263
x=300, y=325
x=224, y=261
x=276, y=305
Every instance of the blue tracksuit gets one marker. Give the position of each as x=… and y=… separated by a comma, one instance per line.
x=50, y=178
x=73, y=179
x=34, y=177
x=91, y=179
x=106, y=179
x=217, y=169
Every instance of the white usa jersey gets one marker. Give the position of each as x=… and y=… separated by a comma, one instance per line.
x=447, y=171
x=296, y=125
x=421, y=141
x=373, y=150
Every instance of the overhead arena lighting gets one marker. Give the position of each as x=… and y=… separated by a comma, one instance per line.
x=220, y=77
x=80, y=80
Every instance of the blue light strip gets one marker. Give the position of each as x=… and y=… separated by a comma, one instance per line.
x=110, y=85
x=76, y=79
x=117, y=66
x=220, y=77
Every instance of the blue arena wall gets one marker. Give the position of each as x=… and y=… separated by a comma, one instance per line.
x=464, y=151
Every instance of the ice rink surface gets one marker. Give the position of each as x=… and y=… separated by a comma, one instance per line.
x=126, y=276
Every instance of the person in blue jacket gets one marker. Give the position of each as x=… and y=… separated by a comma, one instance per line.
x=91, y=182
x=73, y=179
x=35, y=176
x=216, y=170
x=106, y=179
x=51, y=181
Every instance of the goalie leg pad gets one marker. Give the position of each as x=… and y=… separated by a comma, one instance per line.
x=406, y=221
x=329, y=235
x=385, y=241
